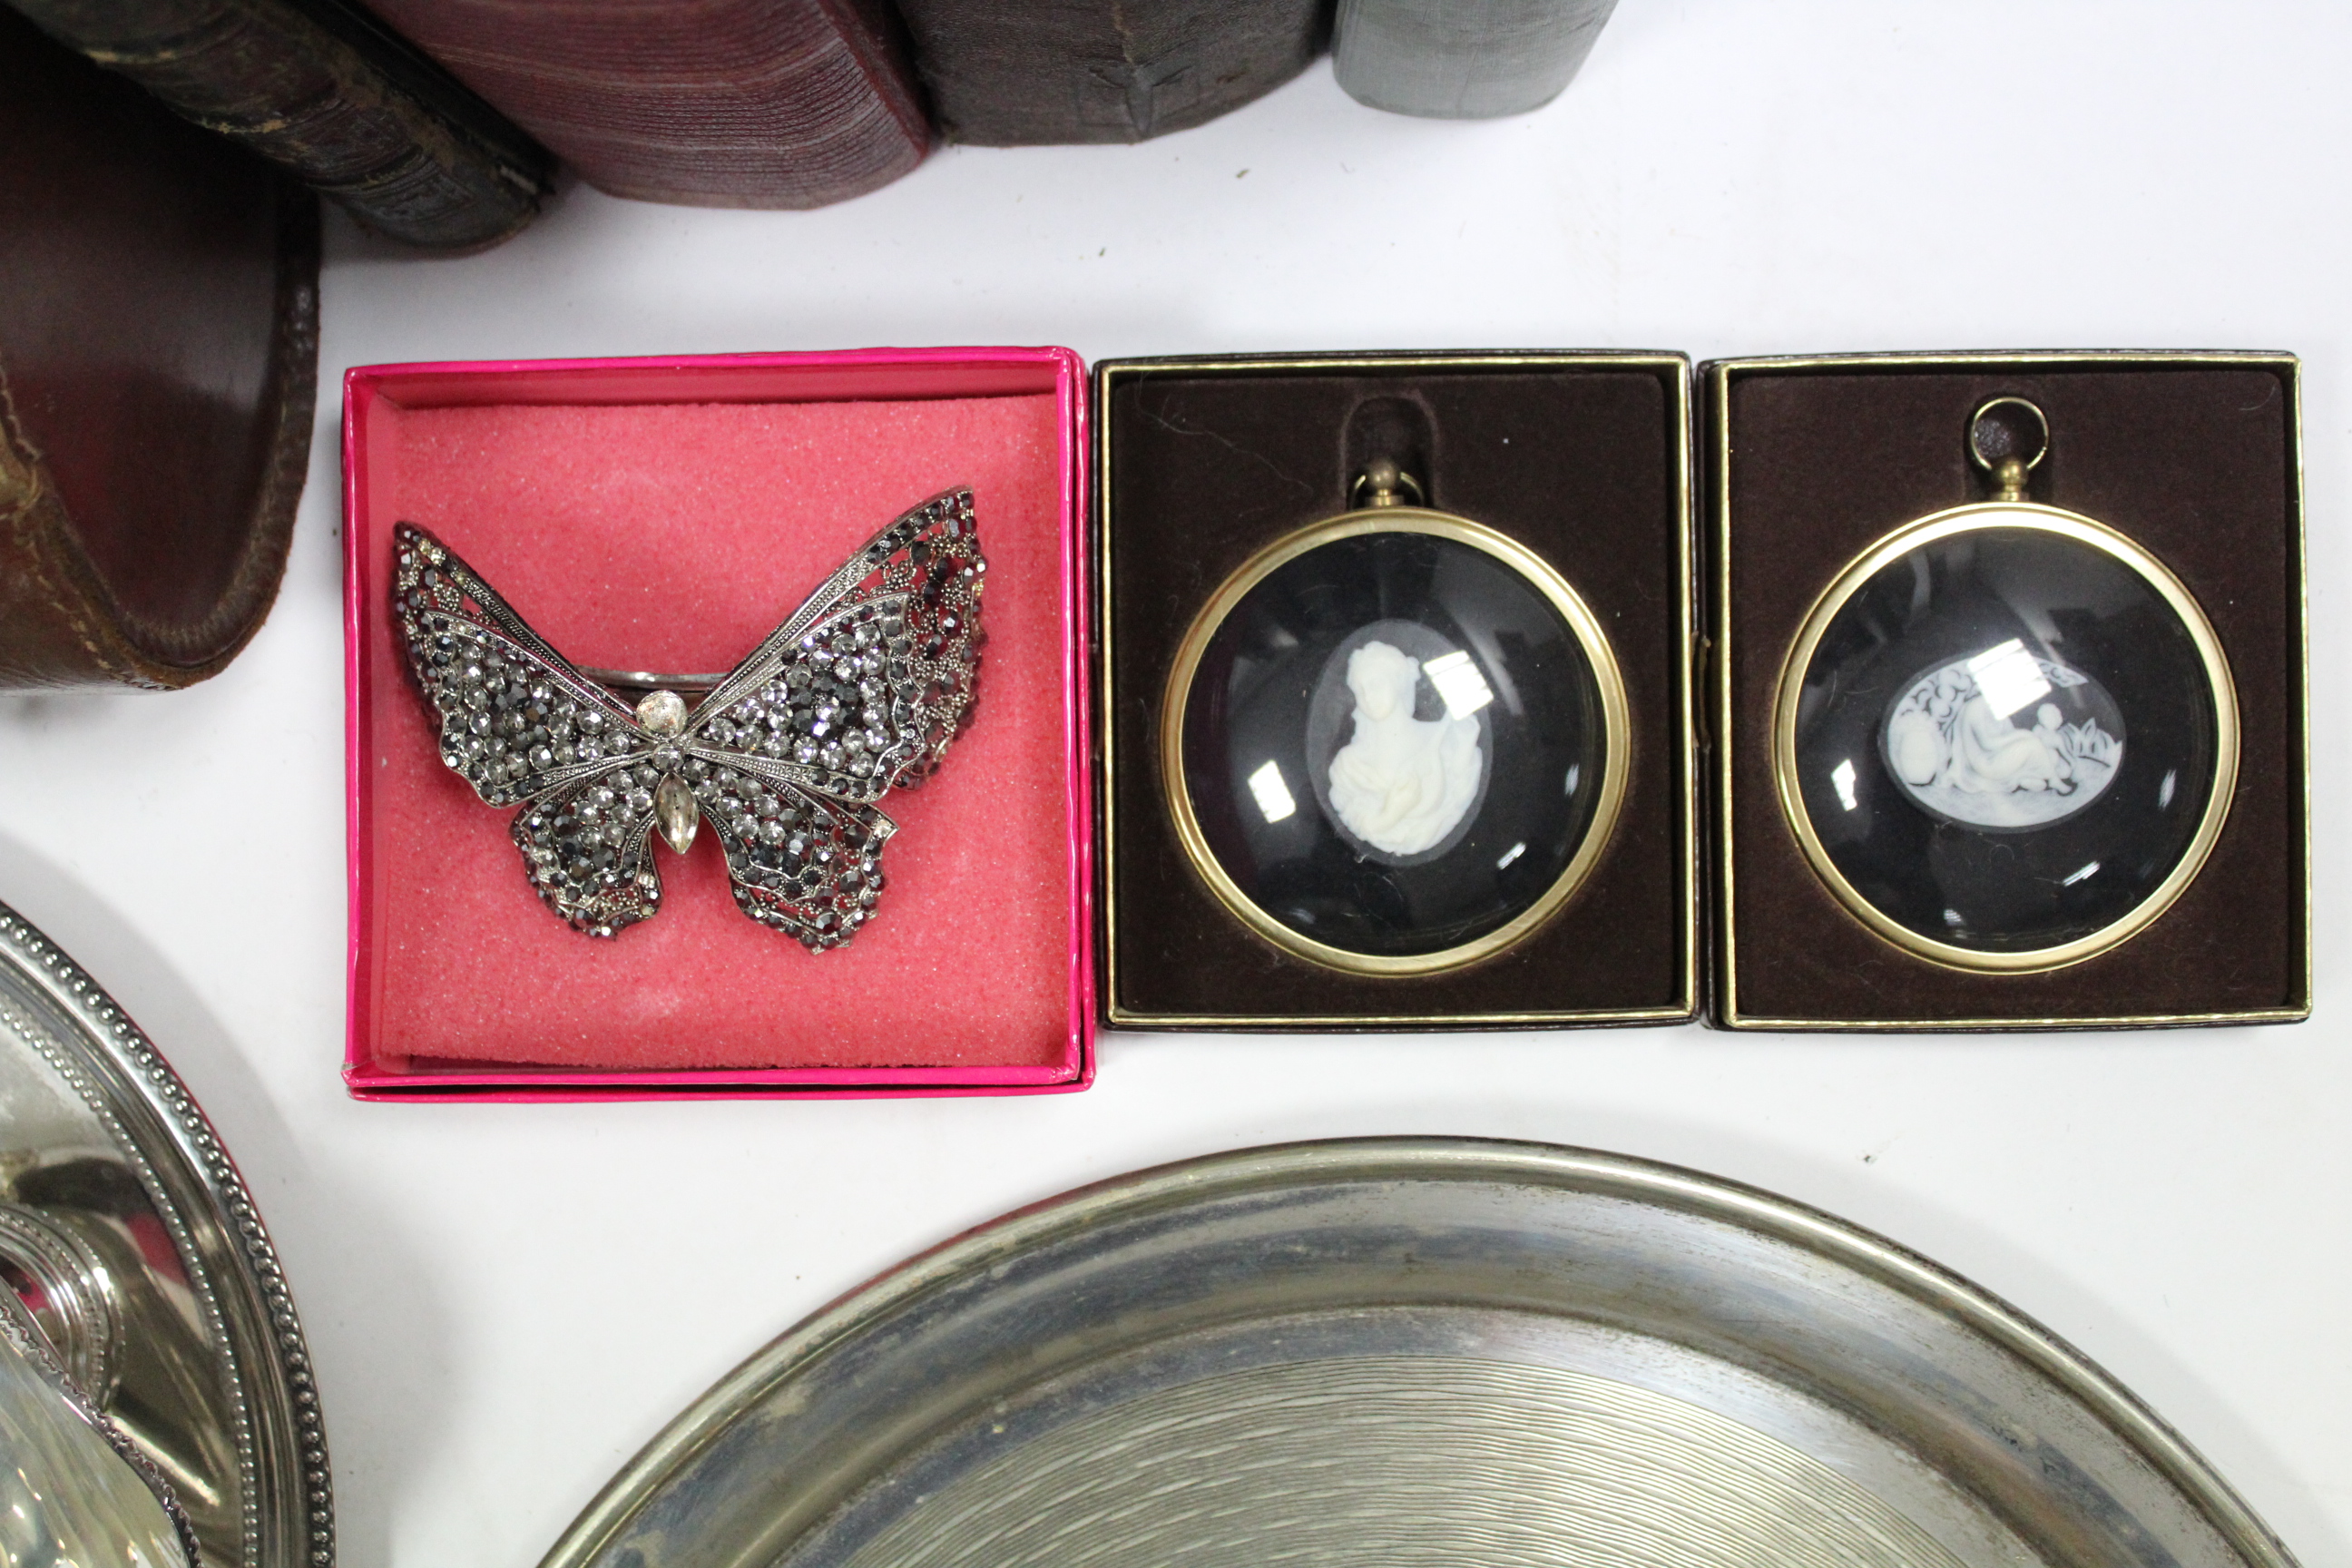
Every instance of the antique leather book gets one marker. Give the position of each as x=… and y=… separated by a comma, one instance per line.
x=323, y=89
x=1463, y=60
x=158, y=362
x=741, y=103
x=1033, y=71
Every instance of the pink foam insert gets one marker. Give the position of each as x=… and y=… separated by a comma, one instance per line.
x=674, y=537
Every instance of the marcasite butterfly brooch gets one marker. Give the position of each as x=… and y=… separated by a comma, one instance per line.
x=857, y=693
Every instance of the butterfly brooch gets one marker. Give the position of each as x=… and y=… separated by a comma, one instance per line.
x=786, y=755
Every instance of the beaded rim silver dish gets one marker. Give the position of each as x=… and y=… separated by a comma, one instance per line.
x=50, y=1008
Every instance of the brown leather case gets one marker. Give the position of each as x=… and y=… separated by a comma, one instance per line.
x=2196, y=458
x=158, y=364
x=1582, y=458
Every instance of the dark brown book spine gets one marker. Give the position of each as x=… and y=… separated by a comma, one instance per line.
x=159, y=317
x=748, y=103
x=1015, y=73
x=322, y=89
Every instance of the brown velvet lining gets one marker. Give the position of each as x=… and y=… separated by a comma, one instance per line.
x=2197, y=462
x=1581, y=463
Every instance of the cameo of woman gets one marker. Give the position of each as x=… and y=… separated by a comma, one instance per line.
x=1401, y=783
x=1986, y=741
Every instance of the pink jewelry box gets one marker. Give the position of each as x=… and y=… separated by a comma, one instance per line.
x=667, y=514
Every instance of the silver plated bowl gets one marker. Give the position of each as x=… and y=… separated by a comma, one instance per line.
x=1417, y=1351
x=127, y=1230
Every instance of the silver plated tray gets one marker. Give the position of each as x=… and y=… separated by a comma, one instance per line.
x=1409, y=1351
x=126, y=1228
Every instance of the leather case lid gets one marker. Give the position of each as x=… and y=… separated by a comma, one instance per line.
x=158, y=356
x=2193, y=457
x=1581, y=459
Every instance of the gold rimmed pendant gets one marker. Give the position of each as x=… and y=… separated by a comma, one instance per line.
x=1395, y=741
x=2006, y=737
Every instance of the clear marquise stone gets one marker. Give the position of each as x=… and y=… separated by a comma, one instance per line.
x=675, y=810
x=661, y=713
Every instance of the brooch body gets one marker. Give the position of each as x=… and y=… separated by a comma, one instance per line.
x=786, y=756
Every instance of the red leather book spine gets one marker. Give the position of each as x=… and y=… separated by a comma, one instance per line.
x=751, y=103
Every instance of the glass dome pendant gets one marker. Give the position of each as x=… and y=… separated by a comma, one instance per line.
x=2006, y=737
x=1394, y=742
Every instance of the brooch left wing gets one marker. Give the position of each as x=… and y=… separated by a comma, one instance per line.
x=859, y=692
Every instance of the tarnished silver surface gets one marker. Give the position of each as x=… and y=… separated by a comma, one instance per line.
x=125, y=1229
x=1417, y=1351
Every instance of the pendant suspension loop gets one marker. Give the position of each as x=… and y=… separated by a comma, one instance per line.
x=2008, y=437
x=1384, y=484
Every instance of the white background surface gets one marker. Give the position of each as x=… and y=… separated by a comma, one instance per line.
x=504, y=1302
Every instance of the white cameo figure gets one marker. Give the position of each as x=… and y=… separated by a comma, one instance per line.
x=1979, y=741
x=1401, y=784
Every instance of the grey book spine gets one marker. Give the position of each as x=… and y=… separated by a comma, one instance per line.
x=1463, y=60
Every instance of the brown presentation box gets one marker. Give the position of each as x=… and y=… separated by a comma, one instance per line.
x=1583, y=460
x=2193, y=458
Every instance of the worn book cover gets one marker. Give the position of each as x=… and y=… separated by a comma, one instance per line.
x=322, y=89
